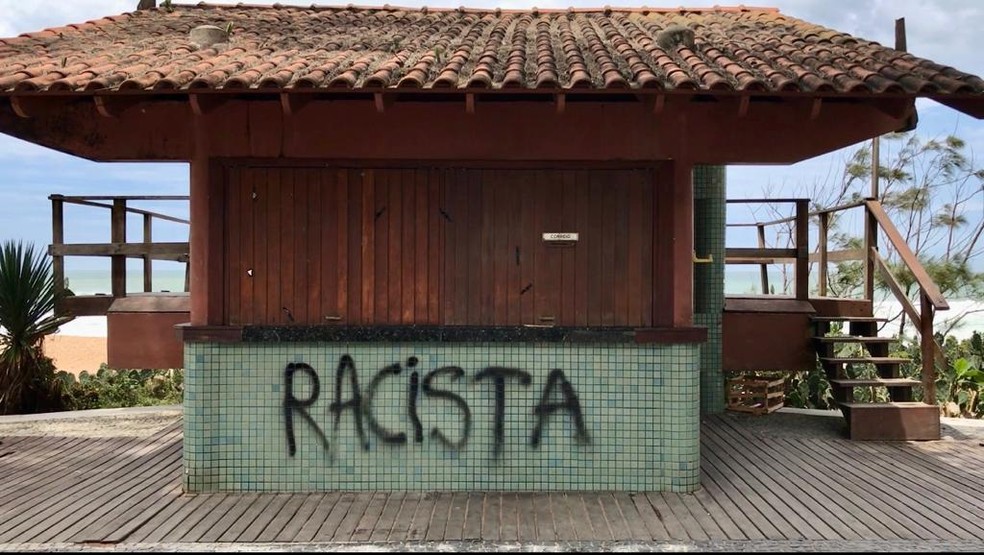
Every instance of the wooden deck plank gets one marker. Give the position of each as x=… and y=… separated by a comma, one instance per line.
x=526, y=517
x=864, y=520
x=370, y=518
x=747, y=498
x=387, y=518
x=826, y=522
x=674, y=528
x=301, y=517
x=614, y=518
x=123, y=531
x=308, y=530
x=198, y=528
x=474, y=515
x=256, y=504
x=286, y=513
x=579, y=509
x=873, y=504
x=509, y=522
x=21, y=471
x=563, y=518
x=707, y=523
x=545, y=530
x=72, y=487
x=438, y=524
x=842, y=509
x=596, y=516
x=714, y=496
x=45, y=520
x=190, y=514
x=422, y=517
x=132, y=505
x=404, y=518
x=925, y=522
x=128, y=493
x=329, y=524
x=264, y=517
x=754, y=486
x=694, y=528
x=705, y=502
x=162, y=518
x=349, y=522
x=792, y=509
x=492, y=517
x=456, y=519
x=240, y=503
x=652, y=521
x=935, y=471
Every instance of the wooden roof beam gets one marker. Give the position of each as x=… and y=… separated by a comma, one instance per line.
x=291, y=104
x=203, y=104
x=113, y=106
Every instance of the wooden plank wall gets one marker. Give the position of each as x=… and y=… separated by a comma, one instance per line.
x=455, y=246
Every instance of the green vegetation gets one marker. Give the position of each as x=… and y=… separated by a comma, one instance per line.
x=109, y=388
x=27, y=301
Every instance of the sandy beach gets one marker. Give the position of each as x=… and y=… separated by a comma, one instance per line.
x=74, y=354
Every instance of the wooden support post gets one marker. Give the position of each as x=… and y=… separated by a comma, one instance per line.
x=673, y=245
x=148, y=263
x=763, y=268
x=802, y=250
x=118, y=235
x=927, y=347
x=870, y=242
x=58, y=238
x=206, y=244
x=822, y=239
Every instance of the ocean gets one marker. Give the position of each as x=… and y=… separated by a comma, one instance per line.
x=969, y=312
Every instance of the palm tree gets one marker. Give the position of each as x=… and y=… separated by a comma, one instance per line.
x=27, y=303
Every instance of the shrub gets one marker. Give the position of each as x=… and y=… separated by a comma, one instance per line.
x=109, y=388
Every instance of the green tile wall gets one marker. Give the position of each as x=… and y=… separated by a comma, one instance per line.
x=639, y=406
x=709, y=240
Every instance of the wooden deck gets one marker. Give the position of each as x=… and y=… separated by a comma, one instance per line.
x=759, y=483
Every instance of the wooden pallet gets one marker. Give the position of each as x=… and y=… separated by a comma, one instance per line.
x=756, y=395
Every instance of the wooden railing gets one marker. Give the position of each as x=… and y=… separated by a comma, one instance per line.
x=876, y=223
x=118, y=249
x=763, y=256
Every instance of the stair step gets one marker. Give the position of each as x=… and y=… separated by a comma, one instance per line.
x=862, y=360
x=887, y=382
x=898, y=421
x=854, y=339
x=848, y=319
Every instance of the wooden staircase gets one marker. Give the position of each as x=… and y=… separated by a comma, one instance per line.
x=888, y=411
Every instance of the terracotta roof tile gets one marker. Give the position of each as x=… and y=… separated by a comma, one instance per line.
x=278, y=47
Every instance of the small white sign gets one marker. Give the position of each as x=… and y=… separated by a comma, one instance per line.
x=560, y=237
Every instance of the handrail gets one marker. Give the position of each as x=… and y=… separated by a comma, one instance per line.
x=925, y=282
x=930, y=297
x=118, y=249
x=86, y=201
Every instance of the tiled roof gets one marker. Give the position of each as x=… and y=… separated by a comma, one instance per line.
x=281, y=48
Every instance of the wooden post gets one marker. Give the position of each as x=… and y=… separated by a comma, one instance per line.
x=763, y=268
x=871, y=225
x=900, y=41
x=58, y=238
x=870, y=242
x=118, y=235
x=673, y=246
x=148, y=263
x=802, y=249
x=822, y=239
x=927, y=348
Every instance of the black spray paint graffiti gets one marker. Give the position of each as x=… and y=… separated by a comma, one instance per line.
x=362, y=405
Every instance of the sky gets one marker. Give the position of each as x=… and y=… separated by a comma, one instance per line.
x=945, y=31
